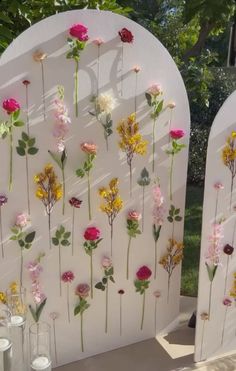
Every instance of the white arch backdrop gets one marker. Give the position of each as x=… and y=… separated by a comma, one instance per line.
x=16, y=65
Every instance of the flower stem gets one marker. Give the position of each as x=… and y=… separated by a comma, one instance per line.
x=76, y=86
x=68, y=302
x=89, y=200
x=143, y=209
x=73, y=231
x=111, y=237
x=106, y=139
x=155, y=316
x=49, y=230
x=209, y=305
x=130, y=179
x=155, y=270
x=2, y=247
x=168, y=289
x=11, y=158
x=98, y=70
x=171, y=176
x=223, y=330
x=128, y=250
x=203, y=330
x=27, y=181
x=226, y=274
x=59, y=258
x=106, y=319
x=21, y=266
x=81, y=332
x=64, y=191
x=143, y=311
x=55, y=340
x=231, y=191
x=122, y=68
x=135, y=93
x=91, y=273
x=153, y=145
x=27, y=108
x=216, y=207
x=43, y=87
x=120, y=315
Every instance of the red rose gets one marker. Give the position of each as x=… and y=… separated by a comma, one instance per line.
x=79, y=31
x=144, y=273
x=10, y=105
x=126, y=36
x=75, y=202
x=67, y=276
x=177, y=134
x=92, y=234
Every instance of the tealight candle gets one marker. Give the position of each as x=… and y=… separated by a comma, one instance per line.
x=4, y=344
x=17, y=320
x=40, y=363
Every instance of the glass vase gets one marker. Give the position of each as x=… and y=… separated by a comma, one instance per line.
x=5, y=338
x=39, y=338
x=16, y=302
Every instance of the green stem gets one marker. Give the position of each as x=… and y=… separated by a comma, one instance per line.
x=64, y=191
x=106, y=319
x=55, y=340
x=130, y=179
x=223, y=331
x=43, y=87
x=59, y=256
x=153, y=145
x=143, y=310
x=155, y=271
x=81, y=332
x=122, y=68
x=27, y=181
x=73, y=230
x=120, y=315
x=11, y=158
x=143, y=209
x=21, y=266
x=2, y=247
x=27, y=108
x=231, y=191
x=203, y=330
x=128, y=250
x=155, y=316
x=171, y=176
x=68, y=302
x=168, y=289
x=209, y=305
x=91, y=273
x=111, y=237
x=49, y=230
x=226, y=274
x=76, y=86
x=89, y=201
x=106, y=139
x=135, y=93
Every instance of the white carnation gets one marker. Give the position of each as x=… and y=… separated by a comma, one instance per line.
x=105, y=102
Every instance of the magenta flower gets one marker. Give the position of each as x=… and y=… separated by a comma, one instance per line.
x=177, y=133
x=92, y=234
x=10, y=105
x=3, y=200
x=227, y=302
x=67, y=276
x=79, y=31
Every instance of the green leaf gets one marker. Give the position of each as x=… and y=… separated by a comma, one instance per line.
x=55, y=241
x=20, y=151
x=21, y=243
x=58, y=234
x=13, y=238
x=40, y=308
x=100, y=286
x=104, y=280
x=170, y=219
x=80, y=173
x=31, y=142
x=62, y=229
x=149, y=99
x=77, y=310
x=28, y=246
x=24, y=136
x=112, y=279
x=177, y=211
x=32, y=311
x=65, y=243
x=15, y=115
x=18, y=124
x=32, y=150
x=178, y=218
x=57, y=158
x=15, y=230
x=66, y=235
x=30, y=237
x=211, y=271
x=21, y=143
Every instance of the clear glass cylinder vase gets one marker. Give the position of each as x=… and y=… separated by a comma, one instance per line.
x=5, y=338
x=16, y=301
x=39, y=337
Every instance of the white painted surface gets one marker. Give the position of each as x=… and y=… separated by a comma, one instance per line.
x=157, y=66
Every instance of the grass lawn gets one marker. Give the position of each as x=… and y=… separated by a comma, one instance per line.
x=192, y=240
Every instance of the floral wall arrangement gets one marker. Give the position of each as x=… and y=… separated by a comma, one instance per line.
x=216, y=309
x=105, y=137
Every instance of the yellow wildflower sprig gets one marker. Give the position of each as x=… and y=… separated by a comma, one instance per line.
x=112, y=203
x=131, y=141
x=229, y=157
x=171, y=259
x=233, y=289
x=49, y=191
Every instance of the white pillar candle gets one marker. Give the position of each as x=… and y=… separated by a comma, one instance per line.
x=40, y=363
x=17, y=320
x=4, y=344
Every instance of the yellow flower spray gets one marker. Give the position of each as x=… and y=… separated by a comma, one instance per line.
x=49, y=191
x=229, y=157
x=131, y=141
x=112, y=203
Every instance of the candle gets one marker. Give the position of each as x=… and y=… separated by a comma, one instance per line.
x=4, y=344
x=40, y=363
x=17, y=320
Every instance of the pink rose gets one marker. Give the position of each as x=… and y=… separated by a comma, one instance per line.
x=144, y=273
x=137, y=69
x=92, y=234
x=155, y=90
x=218, y=186
x=67, y=276
x=82, y=290
x=98, y=41
x=134, y=215
x=106, y=262
x=21, y=220
x=10, y=105
x=177, y=133
x=227, y=302
x=79, y=31
x=89, y=148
